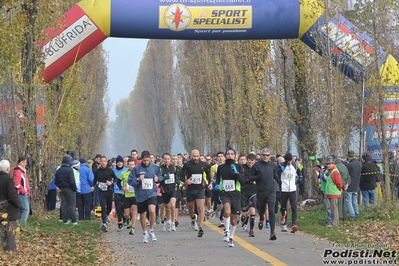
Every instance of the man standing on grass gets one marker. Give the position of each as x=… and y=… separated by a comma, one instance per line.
x=333, y=189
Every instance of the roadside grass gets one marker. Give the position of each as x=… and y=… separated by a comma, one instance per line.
x=379, y=227
x=45, y=241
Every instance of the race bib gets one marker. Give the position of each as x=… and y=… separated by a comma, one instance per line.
x=171, y=179
x=103, y=186
x=229, y=185
x=196, y=179
x=146, y=183
x=130, y=188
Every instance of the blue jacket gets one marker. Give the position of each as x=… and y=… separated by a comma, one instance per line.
x=149, y=172
x=86, y=179
x=117, y=172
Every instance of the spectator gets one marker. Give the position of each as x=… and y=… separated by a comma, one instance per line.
x=51, y=197
x=368, y=180
x=65, y=181
x=86, y=189
x=21, y=184
x=355, y=168
x=9, y=203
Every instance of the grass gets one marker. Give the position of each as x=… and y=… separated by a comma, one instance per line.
x=377, y=226
x=45, y=241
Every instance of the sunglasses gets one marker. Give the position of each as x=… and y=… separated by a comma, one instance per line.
x=265, y=154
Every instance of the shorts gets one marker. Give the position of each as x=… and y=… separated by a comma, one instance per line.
x=215, y=196
x=183, y=193
x=160, y=199
x=168, y=195
x=208, y=193
x=128, y=202
x=248, y=201
x=235, y=204
x=194, y=194
x=142, y=207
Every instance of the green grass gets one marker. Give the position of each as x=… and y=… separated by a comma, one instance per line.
x=45, y=240
x=381, y=220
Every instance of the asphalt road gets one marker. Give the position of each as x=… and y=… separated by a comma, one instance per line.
x=183, y=247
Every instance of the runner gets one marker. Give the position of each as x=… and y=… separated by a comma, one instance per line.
x=194, y=175
x=219, y=161
x=129, y=199
x=230, y=181
x=286, y=174
x=104, y=178
x=248, y=195
x=143, y=178
x=118, y=192
x=168, y=188
x=265, y=191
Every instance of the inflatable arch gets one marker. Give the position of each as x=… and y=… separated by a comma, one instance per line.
x=90, y=22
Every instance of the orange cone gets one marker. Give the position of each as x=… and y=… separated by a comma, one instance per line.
x=113, y=211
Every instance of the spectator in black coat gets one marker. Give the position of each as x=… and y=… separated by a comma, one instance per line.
x=65, y=181
x=9, y=207
x=368, y=180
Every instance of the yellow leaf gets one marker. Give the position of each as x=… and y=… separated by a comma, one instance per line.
x=4, y=215
x=4, y=223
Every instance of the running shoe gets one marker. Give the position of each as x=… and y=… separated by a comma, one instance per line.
x=158, y=220
x=230, y=243
x=245, y=228
x=128, y=224
x=146, y=237
x=221, y=224
x=260, y=224
x=267, y=225
x=132, y=231
x=294, y=228
x=196, y=226
x=153, y=237
x=282, y=218
x=284, y=228
x=108, y=220
x=176, y=222
x=226, y=236
x=104, y=228
x=168, y=226
x=163, y=227
x=200, y=232
x=120, y=226
x=273, y=236
x=173, y=227
x=251, y=233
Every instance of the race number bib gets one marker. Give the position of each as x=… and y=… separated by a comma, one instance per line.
x=196, y=179
x=130, y=188
x=229, y=185
x=146, y=183
x=103, y=186
x=171, y=179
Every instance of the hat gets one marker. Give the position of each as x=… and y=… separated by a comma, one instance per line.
x=82, y=160
x=334, y=156
x=329, y=159
x=119, y=159
x=351, y=153
x=288, y=156
x=75, y=163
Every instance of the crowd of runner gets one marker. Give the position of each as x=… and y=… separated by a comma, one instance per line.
x=153, y=190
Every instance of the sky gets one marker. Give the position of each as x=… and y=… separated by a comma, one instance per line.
x=124, y=57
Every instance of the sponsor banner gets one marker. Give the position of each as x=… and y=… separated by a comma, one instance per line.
x=70, y=39
x=351, y=50
x=205, y=20
x=371, y=116
x=73, y=35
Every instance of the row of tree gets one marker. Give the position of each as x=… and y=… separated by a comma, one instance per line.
x=73, y=110
x=255, y=94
